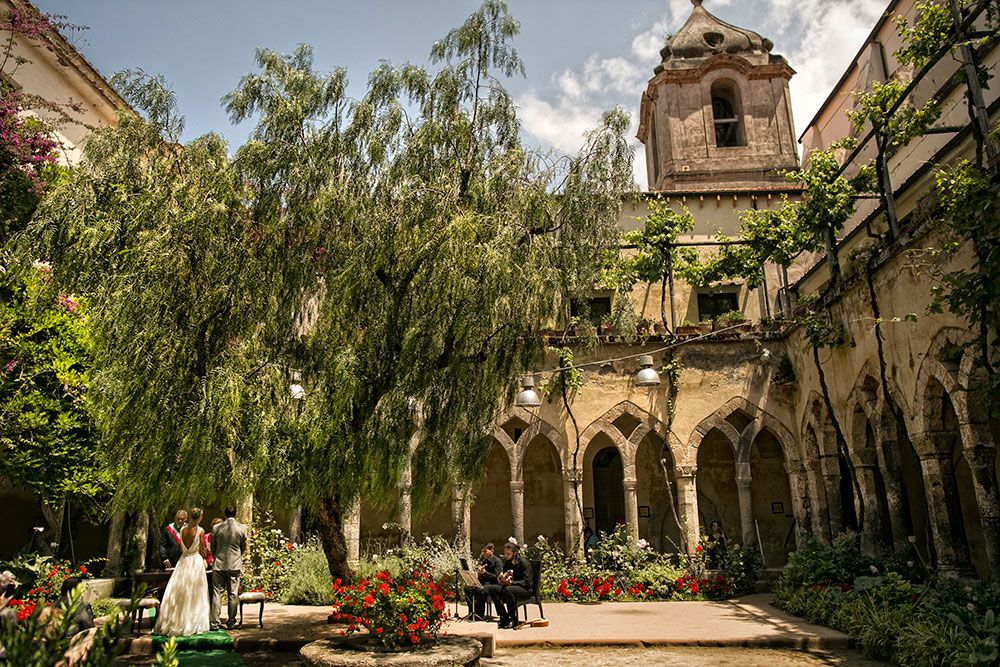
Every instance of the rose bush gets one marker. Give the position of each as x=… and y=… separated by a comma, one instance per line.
x=396, y=611
x=266, y=563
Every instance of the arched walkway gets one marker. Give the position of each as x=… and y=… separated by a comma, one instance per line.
x=718, y=498
x=544, y=503
x=658, y=502
x=771, y=499
x=491, y=517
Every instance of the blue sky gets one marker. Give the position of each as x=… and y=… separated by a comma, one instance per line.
x=582, y=56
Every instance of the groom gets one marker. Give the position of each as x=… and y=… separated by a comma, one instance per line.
x=229, y=541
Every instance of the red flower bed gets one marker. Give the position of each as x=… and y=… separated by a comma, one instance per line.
x=714, y=586
x=395, y=612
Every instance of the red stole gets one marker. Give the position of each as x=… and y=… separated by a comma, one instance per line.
x=173, y=531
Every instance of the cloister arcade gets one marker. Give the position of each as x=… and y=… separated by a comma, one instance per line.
x=922, y=472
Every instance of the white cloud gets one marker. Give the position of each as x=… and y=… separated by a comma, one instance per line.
x=830, y=35
x=818, y=37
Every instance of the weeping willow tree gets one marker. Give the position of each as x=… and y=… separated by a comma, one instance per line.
x=400, y=251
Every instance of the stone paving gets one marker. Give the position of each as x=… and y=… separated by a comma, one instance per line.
x=747, y=622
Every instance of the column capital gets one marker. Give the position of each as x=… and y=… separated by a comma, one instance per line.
x=686, y=471
x=517, y=485
x=630, y=484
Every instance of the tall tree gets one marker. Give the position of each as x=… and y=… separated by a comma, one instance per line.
x=401, y=251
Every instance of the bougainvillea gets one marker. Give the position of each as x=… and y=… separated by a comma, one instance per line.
x=396, y=612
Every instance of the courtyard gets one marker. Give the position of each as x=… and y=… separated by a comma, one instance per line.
x=673, y=327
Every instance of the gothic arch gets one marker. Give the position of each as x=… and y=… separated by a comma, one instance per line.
x=626, y=446
x=938, y=375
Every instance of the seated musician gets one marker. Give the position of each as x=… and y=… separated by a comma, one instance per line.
x=489, y=567
x=513, y=584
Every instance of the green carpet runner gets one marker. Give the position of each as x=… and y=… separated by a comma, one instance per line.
x=208, y=649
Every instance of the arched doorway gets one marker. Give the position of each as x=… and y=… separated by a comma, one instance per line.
x=543, y=492
x=718, y=499
x=609, y=490
x=771, y=499
x=658, y=509
x=490, y=516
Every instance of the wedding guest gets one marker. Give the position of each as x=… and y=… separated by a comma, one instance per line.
x=589, y=542
x=209, y=559
x=170, y=540
x=8, y=587
x=717, y=543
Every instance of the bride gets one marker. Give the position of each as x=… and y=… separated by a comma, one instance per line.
x=185, y=606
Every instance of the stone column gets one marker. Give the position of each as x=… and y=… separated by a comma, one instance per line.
x=943, y=510
x=140, y=534
x=982, y=464
x=631, y=508
x=871, y=531
x=517, y=508
x=796, y=483
x=460, y=519
x=819, y=515
x=687, y=501
x=352, y=532
x=745, y=497
x=896, y=500
x=404, y=516
x=572, y=513
x=830, y=467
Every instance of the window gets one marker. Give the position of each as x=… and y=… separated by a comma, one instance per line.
x=726, y=115
x=595, y=309
x=710, y=306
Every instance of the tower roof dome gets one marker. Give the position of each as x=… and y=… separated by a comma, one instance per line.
x=704, y=35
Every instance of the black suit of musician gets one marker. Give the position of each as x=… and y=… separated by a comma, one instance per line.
x=513, y=584
x=489, y=567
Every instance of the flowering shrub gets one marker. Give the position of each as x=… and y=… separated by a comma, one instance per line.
x=588, y=589
x=47, y=583
x=266, y=563
x=711, y=586
x=24, y=608
x=395, y=611
x=432, y=554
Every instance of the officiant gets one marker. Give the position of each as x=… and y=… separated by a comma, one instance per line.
x=489, y=567
x=170, y=540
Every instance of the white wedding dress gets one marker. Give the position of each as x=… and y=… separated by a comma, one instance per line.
x=184, y=609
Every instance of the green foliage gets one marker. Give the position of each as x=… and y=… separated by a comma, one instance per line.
x=308, y=580
x=105, y=607
x=817, y=563
x=434, y=554
x=941, y=621
x=167, y=656
x=268, y=560
x=40, y=639
x=49, y=443
x=969, y=204
x=399, y=249
x=928, y=34
x=899, y=127
x=741, y=567
x=654, y=254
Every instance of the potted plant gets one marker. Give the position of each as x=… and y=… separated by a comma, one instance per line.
x=734, y=318
x=688, y=328
x=706, y=326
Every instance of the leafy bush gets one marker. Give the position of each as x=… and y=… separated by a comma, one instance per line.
x=740, y=567
x=40, y=640
x=308, y=580
x=893, y=617
x=433, y=554
x=396, y=611
x=105, y=607
x=44, y=576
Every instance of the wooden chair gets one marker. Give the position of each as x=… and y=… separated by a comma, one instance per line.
x=155, y=583
x=536, y=598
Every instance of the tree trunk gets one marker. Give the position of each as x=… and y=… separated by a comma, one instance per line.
x=331, y=522
x=115, y=546
x=52, y=512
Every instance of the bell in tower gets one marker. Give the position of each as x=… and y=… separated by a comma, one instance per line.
x=717, y=113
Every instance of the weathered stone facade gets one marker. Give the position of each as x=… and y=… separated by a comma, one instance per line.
x=753, y=440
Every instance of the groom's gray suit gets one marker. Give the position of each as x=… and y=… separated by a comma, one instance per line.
x=229, y=541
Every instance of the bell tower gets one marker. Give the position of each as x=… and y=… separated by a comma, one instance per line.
x=717, y=114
